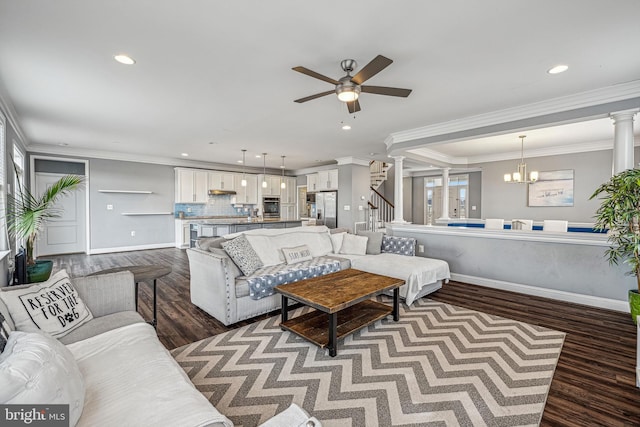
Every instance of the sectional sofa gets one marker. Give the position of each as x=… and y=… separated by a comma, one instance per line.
x=222, y=289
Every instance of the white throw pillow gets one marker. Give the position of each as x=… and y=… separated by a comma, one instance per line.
x=38, y=369
x=53, y=307
x=297, y=254
x=266, y=250
x=336, y=241
x=354, y=245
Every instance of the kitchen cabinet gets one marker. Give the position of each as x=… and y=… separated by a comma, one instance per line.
x=246, y=195
x=191, y=186
x=273, y=185
x=288, y=194
x=312, y=182
x=287, y=212
x=327, y=180
x=222, y=181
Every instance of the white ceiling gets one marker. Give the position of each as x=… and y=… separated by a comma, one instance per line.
x=220, y=72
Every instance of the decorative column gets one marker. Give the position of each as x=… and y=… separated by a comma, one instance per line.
x=623, y=140
x=445, y=194
x=398, y=215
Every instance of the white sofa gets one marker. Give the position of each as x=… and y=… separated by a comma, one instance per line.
x=129, y=378
x=219, y=288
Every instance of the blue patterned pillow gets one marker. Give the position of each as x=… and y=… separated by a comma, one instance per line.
x=241, y=252
x=399, y=245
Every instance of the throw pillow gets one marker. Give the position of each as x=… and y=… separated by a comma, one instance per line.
x=235, y=271
x=399, y=245
x=4, y=332
x=266, y=250
x=336, y=241
x=374, y=244
x=354, y=245
x=297, y=254
x=38, y=369
x=241, y=252
x=53, y=307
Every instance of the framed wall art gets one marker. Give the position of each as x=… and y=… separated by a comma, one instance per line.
x=553, y=188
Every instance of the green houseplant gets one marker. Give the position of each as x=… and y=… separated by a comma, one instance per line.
x=619, y=212
x=28, y=213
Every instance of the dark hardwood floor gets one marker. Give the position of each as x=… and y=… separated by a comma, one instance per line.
x=594, y=382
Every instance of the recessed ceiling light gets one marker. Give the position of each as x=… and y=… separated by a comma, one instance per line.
x=558, y=69
x=62, y=144
x=185, y=154
x=124, y=59
x=346, y=127
x=258, y=156
x=372, y=154
x=239, y=161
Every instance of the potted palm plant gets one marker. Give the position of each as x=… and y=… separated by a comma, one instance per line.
x=619, y=212
x=27, y=215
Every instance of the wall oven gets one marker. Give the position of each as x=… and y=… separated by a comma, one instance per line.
x=271, y=207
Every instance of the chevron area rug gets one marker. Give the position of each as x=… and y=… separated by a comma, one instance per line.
x=439, y=365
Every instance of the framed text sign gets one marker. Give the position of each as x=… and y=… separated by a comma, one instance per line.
x=553, y=188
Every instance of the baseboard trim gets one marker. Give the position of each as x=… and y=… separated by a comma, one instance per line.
x=589, y=300
x=131, y=248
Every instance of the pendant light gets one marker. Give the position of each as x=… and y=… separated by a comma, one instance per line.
x=244, y=178
x=520, y=175
x=282, y=184
x=264, y=170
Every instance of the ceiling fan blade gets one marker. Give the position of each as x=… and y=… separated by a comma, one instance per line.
x=390, y=91
x=317, y=95
x=353, y=106
x=311, y=73
x=376, y=65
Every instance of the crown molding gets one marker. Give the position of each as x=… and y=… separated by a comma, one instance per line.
x=10, y=114
x=620, y=92
x=429, y=154
x=139, y=158
x=352, y=161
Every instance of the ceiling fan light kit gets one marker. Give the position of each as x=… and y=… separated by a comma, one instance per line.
x=348, y=88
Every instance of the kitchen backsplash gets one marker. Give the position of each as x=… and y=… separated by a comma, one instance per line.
x=216, y=206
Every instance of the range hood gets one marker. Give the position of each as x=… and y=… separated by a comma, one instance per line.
x=221, y=192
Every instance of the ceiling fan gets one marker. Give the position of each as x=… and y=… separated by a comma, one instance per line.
x=348, y=88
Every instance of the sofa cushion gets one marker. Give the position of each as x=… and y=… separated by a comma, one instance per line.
x=297, y=254
x=206, y=243
x=99, y=325
x=399, y=245
x=266, y=250
x=374, y=244
x=54, y=306
x=354, y=245
x=132, y=380
x=318, y=241
x=241, y=252
x=336, y=241
x=37, y=368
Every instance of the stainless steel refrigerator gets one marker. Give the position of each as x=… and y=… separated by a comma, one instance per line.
x=327, y=208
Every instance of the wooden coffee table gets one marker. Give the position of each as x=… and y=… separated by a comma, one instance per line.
x=342, y=303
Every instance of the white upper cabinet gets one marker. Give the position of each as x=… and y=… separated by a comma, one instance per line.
x=312, y=182
x=249, y=194
x=191, y=186
x=273, y=185
x=327, y=180
x=288, y=194
x=222, y=181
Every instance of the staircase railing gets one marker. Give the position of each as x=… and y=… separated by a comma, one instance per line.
x=381, y=209
x=378, y=172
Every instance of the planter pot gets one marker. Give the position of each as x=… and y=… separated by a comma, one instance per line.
x=634, y=304
x=40, y=271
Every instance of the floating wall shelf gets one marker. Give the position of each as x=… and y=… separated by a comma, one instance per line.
x=146, y=213
x=126, y=191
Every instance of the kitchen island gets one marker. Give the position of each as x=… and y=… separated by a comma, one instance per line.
x=190, y=228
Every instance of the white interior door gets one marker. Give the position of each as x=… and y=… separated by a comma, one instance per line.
x=65, y=234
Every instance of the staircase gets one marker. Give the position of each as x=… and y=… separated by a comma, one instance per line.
x=380, y=210
x=378, y=171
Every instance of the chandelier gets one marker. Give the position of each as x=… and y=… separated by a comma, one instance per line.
x=520, y=175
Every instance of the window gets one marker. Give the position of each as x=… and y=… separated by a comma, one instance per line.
x=4, y=240
x=18, y=186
